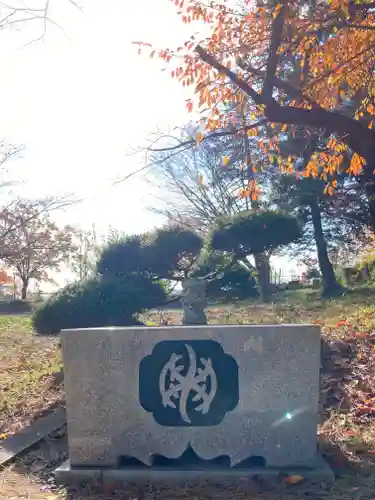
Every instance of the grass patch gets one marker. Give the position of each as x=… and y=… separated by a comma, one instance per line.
x=297, y=306
x=27, y=363
x=347, y=430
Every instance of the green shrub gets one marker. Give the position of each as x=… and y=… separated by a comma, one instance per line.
x=294, y=285
x=312, y=273
x=166, y=253
x=15, y=306
x=253, y=232
x=127, y=257
x=233, y=284
x=228, y=279
x=100, y=301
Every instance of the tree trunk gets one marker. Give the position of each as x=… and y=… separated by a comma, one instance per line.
x=330, y=285
x=25, y=285
x=263, y=279
x=370, y=193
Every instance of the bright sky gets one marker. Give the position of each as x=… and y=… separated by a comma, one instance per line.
x=79, y=105
x=80, y=101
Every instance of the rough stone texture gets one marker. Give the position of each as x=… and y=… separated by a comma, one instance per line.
x=23, y=439
x=276, y=417
x=65, y=475
x=194, y=301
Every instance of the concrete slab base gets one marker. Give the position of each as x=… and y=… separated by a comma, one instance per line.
x=65, y=474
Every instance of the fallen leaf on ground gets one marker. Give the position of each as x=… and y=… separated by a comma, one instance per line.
x=293, y=479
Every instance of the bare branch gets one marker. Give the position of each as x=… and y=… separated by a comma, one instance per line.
x=193, y=187
x=214, y=135
x=13, y=14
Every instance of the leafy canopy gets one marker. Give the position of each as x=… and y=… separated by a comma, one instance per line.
x=289, y=63
x=167, y=253
x=33, y=244
x=253, y=233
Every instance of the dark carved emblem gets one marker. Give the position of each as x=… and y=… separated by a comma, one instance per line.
x=188, y=383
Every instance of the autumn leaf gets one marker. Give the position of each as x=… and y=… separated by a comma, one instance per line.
x=293, y=479
x=335, y=67
x=189, y=106
x=341, y=323
x=356, y=164
x=199, y=138
x=5, y=278
x=225, y=161
x=244, y=193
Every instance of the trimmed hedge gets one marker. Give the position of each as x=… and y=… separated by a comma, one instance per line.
x=100, y=301
x=15, y=307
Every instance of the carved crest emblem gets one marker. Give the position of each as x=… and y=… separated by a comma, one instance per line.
x=180, y=386
x=188, y=383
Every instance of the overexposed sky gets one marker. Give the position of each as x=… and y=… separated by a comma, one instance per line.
x=80, y=100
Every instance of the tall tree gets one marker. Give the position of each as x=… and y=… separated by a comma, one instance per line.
x=35, y=245
x=297, y=63
x=197, y=185
x=306, y=198
x=329, y=221
x=210, y=180
x=7, y=153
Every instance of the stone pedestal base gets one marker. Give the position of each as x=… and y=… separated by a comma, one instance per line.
x=65, y=474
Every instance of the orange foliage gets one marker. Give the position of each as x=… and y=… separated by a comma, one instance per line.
x=356, y=164
x=4, y=278
x=250, y=52
x=252, y=191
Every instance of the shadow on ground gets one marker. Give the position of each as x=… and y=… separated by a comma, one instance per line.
x=346, y=440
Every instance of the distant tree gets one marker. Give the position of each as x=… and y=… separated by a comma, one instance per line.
x=253, y=233
x=13, y=218
x=196, y=186
x=7, y=153
x=35, y=245
x=329, y=222
x=83, y=261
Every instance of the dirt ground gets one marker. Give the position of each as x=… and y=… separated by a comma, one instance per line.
x=31, y=478
x=30, y=384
